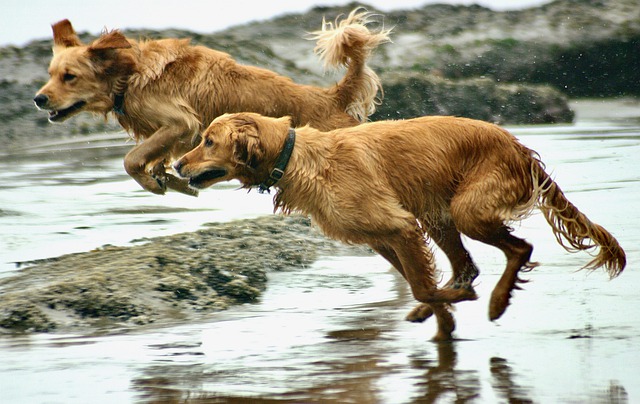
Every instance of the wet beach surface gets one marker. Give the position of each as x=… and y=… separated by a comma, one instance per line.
x=333, y=331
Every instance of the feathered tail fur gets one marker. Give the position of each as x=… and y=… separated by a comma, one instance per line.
x=573, y=230
x=349, y=43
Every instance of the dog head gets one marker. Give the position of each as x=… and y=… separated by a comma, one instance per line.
x=235, y=146
x=84, y=77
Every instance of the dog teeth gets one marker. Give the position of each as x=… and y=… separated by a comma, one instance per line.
x=53, y=115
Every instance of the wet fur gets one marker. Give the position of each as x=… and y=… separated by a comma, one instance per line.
x=173, y=90
x=392, y=184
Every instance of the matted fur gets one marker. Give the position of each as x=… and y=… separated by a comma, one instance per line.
x=389, y=184
x=172, y=90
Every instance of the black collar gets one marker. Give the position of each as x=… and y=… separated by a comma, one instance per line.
x=281, y=163
x=118, y=104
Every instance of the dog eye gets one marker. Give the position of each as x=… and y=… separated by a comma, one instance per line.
x=208, y=142
x=68, y=77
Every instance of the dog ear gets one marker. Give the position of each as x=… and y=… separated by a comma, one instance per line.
x=64, y=35
x=248, y=149
x=110, y=40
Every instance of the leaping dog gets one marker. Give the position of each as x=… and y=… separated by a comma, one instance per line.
x=165, y=92
x=389, y=184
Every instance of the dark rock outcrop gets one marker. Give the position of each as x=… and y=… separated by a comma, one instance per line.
x=161, y=280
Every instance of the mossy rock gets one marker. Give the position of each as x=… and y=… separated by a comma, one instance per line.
x=411, y=94
x=180, y=277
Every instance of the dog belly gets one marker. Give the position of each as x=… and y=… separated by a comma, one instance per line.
x=364, y=226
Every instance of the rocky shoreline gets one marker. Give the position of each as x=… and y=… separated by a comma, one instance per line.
x=413, y=94
x=163, y=280
x=462, y=60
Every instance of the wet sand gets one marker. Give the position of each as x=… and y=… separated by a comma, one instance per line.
x=334, y=331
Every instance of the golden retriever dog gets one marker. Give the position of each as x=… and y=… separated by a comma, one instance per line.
x=395, y=184
x=165, y=92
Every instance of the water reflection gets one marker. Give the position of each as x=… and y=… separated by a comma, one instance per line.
x=439, y=378
x=443, y=380
x=504, y=384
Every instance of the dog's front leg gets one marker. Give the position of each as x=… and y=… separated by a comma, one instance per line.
x=423, y=310
x=418, y=265
x=145, y=162
x=419, y=269
x=136, y=167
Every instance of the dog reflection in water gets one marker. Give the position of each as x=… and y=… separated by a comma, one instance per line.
x=395, y=184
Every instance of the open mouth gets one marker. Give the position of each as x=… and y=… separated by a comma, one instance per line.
x=56, y=115
x=201, y=181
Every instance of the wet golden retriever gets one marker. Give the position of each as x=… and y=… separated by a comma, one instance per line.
x=391, y=184
x=165, y=92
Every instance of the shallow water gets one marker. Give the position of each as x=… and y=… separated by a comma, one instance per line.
x=334, y=332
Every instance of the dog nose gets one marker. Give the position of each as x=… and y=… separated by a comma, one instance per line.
x=41, y=100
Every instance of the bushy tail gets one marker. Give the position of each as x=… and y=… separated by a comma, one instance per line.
x=573, y=230
x=349, y=43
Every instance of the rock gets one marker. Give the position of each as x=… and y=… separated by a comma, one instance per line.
x=27, y=317
x=412, y=94
x=174, y=278
x=582, y=48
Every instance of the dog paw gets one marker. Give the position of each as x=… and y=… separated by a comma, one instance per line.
x=442, y=336
x=162, y=186
x=464, y=291
x=462, y=285
x=419, y=313
x=503, y=292
x=446, y=325
x=465, y=278
x=450, y=295
x=150, y=184
x=157, y=179
x=498, y=304
x=468, y=293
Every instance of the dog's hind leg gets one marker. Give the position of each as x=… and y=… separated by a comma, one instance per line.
x=518, y=253
x=496, y=233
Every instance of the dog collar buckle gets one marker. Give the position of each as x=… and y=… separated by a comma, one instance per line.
x=276, y=174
